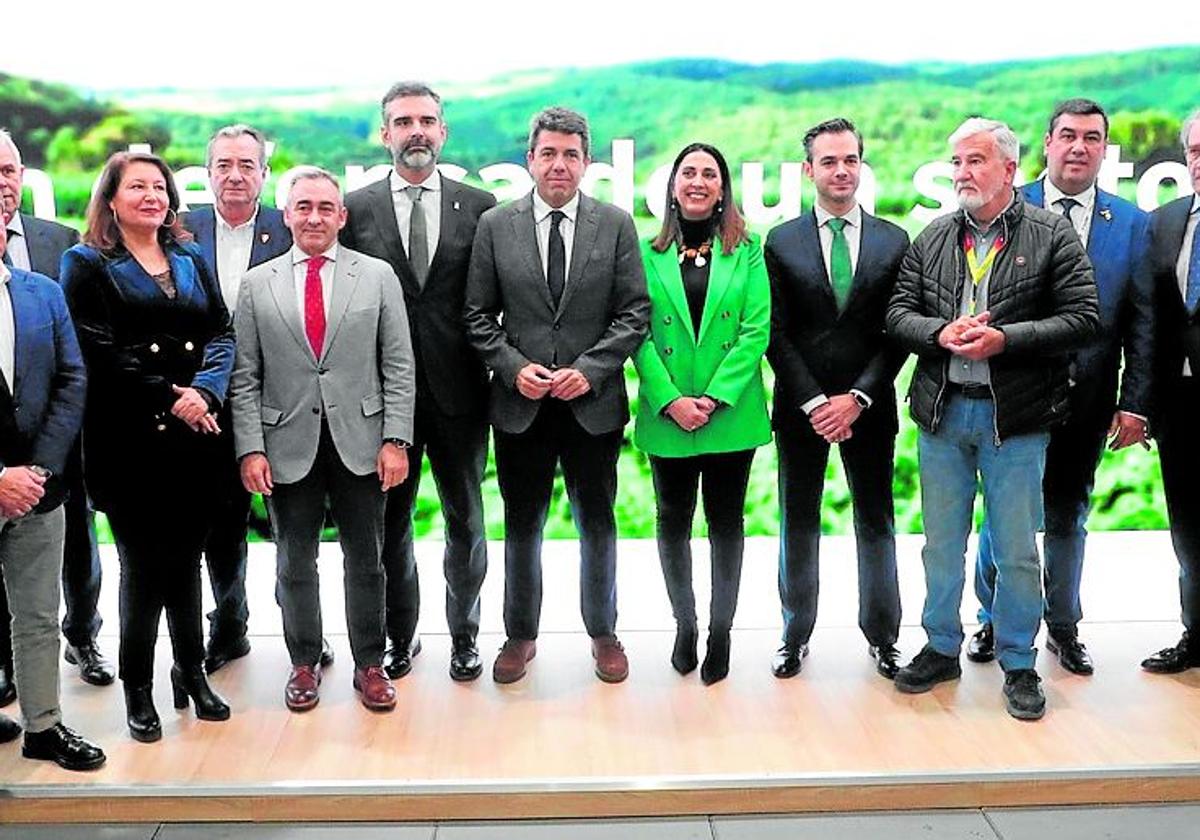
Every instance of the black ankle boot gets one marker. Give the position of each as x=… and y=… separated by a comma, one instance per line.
x=141, y=715
x=716, y=661
x=192, y=683
x=683, y=656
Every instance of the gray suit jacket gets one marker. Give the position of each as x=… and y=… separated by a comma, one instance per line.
x=46, y=241
x=598, y=324
x=363, y=382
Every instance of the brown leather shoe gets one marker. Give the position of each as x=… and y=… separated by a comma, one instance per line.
x=510, y=662
x=302, y=691
x=611, y=664
x=374, y=689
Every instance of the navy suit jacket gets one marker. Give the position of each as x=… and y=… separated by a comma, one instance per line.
x=815, y=348
x=43, y=405
x=271, y=235
x=1118, y=246
x=46, y=241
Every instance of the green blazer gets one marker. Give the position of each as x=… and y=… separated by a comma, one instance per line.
x=725, y=362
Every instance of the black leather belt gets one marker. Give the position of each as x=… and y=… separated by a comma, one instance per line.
x=972, y=391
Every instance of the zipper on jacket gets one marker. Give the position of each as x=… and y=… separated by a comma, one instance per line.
x=991, y=387
x=959, y=286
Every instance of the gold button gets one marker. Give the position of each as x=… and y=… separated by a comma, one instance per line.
x=668, y=320
x=162, y=427
x=669, y=351
x=187, y=345
x=153, y=348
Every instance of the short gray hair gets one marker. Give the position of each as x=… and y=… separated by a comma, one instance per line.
x=1006, y=141
x=235, y=131
x=562, y=121
x=315, y=173
x=1187, y=127
x=6, y=140
x=402, y=89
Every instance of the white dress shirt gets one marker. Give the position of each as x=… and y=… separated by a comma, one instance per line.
x=1185, y=255
x=300, y=276
x=18, y=248
x=542, y=224
x=8, y=329
x=1081, y=216
x=431, y=203
x=233, y=255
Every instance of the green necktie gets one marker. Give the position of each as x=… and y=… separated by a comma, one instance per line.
x=839, y=262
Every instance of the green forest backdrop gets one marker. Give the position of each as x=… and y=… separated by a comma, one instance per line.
x=751, y=112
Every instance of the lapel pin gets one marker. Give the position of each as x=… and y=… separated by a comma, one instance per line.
x=1020, y=260
x=265, y=238
x=456, y=205
x=1106, y=214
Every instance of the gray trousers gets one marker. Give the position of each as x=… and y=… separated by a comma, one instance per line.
x=31, y=554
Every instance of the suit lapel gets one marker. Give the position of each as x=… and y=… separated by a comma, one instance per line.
x=345, y=281
x=183, y=271
x=859, y=282
x=206, y=238
x=665, y=267
x=261, y=248
x=24, y=308
x=451, y=216
x=40, y=253
x=810, y=254
x=525, y=241
x=283, y=289
x=383, y=217
x=719, y=275
x=1100, y=230
x=581, y=247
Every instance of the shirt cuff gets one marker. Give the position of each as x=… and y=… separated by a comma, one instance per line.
x=814, y=403
x=863, y=396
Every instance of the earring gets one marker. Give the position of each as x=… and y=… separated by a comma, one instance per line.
x=717, y=210
x=171, y=217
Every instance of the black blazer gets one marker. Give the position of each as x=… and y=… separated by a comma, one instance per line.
x=814, y=348
x=46, y=241
x=1177, y=335
x=448, y=371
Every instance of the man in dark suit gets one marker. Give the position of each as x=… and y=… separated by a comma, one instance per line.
x=38, y=245
x=1175, y=263
x=556, y=301
x=423, y=224
x=1114, y=232
x=235, y=234
x=42, y=390
x=832, y=272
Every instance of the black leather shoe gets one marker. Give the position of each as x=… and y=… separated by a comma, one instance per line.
x=141, y=715
x=397, y=660
x=1072, y=655
x=465, y=664
x=326, y=653
x=982, y=646
x=220, y=655
x=887, y=660
x=94, y=669
x=683, y=655
x=788, y=661
x=191, y=683
x=1173, y=660
x=1023, y=695
x=9, y=729
x=65, y=747
x=716, y=660
x=8, y=689
x=927, y=669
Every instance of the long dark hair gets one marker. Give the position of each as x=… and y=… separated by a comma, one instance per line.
x=731, y=227
x=103, y=233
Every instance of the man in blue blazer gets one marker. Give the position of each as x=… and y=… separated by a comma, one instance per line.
x=37, y=245
x=832, y=273
x=235, y=234
x=1114, y=231
x=42, y=391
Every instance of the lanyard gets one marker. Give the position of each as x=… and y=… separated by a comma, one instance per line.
x=978, y=269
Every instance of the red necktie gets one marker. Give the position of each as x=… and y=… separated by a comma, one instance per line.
x=314, y=305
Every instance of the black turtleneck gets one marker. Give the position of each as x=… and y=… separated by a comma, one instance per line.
x=695, y=278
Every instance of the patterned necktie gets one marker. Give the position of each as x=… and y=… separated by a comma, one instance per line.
x=1067, y=205
x=1193, y=278
x=839, y=262
x=314, y=305
x=7, y=259
x=418, y=239
x=556, y=259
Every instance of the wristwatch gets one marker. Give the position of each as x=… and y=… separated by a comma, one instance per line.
x=395, y=441
x=862, y=401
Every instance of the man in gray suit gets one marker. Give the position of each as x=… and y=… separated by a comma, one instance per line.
x=37, y=245
x=556, y=301
x=323, y=407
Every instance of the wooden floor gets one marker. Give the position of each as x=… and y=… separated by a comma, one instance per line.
x=560, y=743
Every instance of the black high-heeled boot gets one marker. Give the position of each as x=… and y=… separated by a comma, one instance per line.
x=683, y=656
x=716, y=661
x=192, y=683
x=141, y=715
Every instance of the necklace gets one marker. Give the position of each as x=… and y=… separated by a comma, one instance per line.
x=698, y=255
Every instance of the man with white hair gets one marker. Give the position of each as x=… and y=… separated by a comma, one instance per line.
x=992, y=300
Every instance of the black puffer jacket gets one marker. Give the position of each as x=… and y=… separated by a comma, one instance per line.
x=1041, y=294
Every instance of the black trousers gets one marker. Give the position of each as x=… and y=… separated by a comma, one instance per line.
x=457, y=450
x=725, y=476
x=159, y=550
x=1178, y=436
x=225, y=555
x=868, y=459
x=525, y=466
x=297, y=514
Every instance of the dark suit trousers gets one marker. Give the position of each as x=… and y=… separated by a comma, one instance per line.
x=1072, y=456
x=457, y=450
x=868, y=459
x=725, y=476
x=80, y=572
x=159, y=549
x=1179, y=454
x=225, y=555
x=525, y=466
x=297, y=514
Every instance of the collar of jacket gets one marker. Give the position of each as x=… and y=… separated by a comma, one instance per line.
x=1008, y=218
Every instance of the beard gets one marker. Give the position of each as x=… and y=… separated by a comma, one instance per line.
x=414, y=157
x=971, y=201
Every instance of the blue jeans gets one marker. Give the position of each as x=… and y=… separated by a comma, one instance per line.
x=953, y=461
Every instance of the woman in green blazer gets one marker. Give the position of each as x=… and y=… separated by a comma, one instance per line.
x=702, y=409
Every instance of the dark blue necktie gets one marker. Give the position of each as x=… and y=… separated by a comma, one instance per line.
x=1193, y=278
